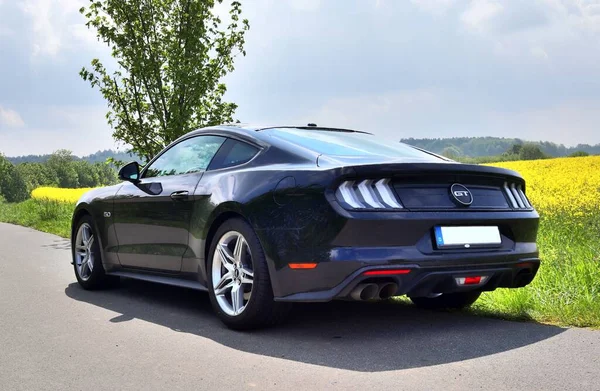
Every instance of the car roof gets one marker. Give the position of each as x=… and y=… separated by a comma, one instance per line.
x=250, y=128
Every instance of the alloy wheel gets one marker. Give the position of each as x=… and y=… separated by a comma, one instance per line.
x=84, y=255
x=232, y=273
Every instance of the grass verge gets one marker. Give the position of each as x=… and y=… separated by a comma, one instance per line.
x=566, y=290
x=44, y=215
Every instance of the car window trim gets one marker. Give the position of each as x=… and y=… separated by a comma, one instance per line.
x=143, y=173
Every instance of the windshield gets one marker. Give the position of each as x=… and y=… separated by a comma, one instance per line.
x=339, y=143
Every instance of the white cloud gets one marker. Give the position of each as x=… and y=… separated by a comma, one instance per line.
x=569, y=122
x=81, y=129
x=382, y=114
x=10, y=118
x=579, y=14
x=479, y=13
x=440, y=113
x=6, y=31
x=56, y=25
x=436, y=7
x=539, y=52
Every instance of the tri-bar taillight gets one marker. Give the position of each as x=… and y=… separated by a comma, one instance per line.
x=368, y=194
x=382, y=194
x=516, y=196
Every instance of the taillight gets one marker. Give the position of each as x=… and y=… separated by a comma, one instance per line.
x=367, y=194
x=516, y=196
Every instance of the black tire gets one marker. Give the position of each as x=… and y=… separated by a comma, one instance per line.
x=447, y=300
x=97, y=279
x=260, y=310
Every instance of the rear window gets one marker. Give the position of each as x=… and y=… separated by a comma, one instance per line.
x=332, y=143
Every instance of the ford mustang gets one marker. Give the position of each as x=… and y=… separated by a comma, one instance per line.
x=261, y=217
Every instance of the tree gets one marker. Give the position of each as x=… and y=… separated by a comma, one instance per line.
x=87, y=174
x=36, y=175
x=515, y=149
x=106, y=174
x=452, y=152
x=531, y=152
x=171, y=56
x=579, y=154
x=61, y=162
x=12, y=185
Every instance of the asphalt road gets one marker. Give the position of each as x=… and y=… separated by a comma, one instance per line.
x=56, y=336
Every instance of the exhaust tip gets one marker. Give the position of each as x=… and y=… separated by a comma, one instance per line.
x=365, y=292
x=387, y=290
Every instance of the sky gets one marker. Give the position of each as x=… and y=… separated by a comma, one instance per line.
x=397, y=68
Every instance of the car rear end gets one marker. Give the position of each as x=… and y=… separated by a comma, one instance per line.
x=420, y=227
x=427, y=241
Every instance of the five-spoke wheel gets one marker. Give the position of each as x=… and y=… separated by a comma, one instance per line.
x=87, y=260
x=238, y=278
x=232, y=272
x=84, y=255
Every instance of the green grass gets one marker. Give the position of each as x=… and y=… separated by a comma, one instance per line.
x=566, y=290
x=48, y=216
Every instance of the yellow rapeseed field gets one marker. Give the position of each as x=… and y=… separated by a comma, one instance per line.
x=56, y=194
x=565, y=185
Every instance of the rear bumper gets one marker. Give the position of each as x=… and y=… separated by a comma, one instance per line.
x=344, y=244
x=423, y=280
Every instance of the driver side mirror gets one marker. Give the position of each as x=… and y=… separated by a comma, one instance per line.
x=130, y=172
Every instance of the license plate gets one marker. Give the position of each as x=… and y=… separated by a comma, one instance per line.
x=467, y=237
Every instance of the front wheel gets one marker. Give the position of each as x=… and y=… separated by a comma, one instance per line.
x=87, y=260
x=238, y=279
x=447, y=300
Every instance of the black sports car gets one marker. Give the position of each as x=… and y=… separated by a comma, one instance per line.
x=263, y=217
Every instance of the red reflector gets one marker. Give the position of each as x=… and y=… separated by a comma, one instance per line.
x=472, y=280
x=302, y=265
x=389, y=272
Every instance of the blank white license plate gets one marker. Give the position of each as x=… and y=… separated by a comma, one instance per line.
x=467, y=237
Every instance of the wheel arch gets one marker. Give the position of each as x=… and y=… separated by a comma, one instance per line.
x=221, y=215
x=80, y=211
x=214, y=226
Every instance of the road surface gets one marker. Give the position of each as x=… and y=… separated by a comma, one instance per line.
x=56, y=336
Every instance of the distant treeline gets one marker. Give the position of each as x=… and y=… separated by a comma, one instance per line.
x=475, y=147
x=60, y=169
x=98, y=157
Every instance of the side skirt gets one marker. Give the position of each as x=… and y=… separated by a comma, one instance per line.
x=159, y=279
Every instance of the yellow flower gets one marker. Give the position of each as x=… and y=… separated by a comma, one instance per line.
x=56, y=194
x=564, y=185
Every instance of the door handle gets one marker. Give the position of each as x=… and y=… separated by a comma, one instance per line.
x=180, y=195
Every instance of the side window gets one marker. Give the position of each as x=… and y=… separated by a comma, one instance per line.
x=233, y=153
x=191, y=155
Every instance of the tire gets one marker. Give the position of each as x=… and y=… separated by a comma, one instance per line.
x=257, y=309
x=95, y=278
x=447, y=300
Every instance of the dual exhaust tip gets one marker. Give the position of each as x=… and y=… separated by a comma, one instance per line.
x=372, y=291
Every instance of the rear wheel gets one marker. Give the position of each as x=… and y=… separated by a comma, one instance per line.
x=87, y=260
x=447, y=300
x=238, y=279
